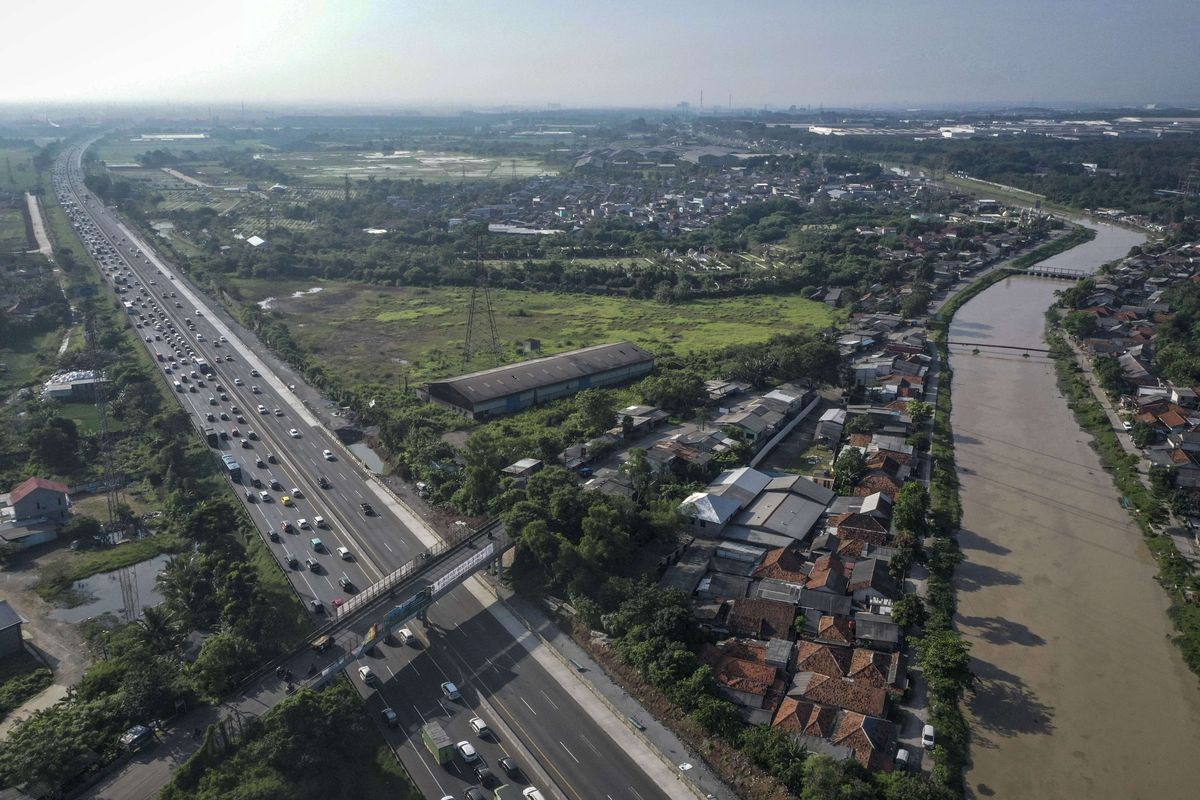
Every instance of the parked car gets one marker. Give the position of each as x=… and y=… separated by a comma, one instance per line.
x=450, y=691
x=367, y=675
x=927, y=737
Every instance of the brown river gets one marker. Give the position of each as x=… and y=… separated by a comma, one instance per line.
x=1081, y=693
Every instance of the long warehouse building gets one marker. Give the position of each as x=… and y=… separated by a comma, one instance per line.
x=513, y=387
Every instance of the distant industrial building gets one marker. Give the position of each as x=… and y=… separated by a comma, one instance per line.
x=513, y=387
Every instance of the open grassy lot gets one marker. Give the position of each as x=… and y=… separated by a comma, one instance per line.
x=12, y=230
x=16, y=169
x=373, y=333
x=122, y=150
x=331, y=168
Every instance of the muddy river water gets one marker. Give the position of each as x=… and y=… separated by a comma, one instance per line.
x=1081, y=693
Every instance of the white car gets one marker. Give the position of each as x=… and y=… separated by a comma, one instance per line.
x=279, y=412
x=262, y=409
x=368, y=677
x=343, y=552
x=533, y=794
x=405, y=635
x=319, y=522
x=480, y=727
x=296, y=492
x=467, y=751
x=927, y=737
x=303, y=523
x=328, y=454
x=237, y=381
x=295, y=434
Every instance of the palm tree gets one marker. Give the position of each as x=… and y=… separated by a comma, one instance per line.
x=160, y=630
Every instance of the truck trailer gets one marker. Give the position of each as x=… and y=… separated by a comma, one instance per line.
x=437, y=742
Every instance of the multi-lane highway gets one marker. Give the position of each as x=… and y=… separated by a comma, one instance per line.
x=563, y=739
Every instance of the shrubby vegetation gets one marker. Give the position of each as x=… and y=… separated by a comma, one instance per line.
x=316, y=745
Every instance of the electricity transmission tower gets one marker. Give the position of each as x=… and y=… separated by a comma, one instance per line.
x=1189, y=184
x=481, y=295
x=115, y=526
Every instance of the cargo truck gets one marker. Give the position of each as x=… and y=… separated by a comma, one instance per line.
x=437, y=742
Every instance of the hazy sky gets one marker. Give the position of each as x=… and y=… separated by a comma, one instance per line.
x=605, y=53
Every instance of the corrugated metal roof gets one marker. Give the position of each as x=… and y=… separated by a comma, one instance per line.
x=489, y=384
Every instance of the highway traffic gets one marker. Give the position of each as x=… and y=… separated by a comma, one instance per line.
x=537, y=718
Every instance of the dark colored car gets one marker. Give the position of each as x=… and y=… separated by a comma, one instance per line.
x=509, y=765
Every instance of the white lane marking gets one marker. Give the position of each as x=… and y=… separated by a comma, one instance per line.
x=572, y=755
x=636, y=793
x=443, y=708
x=529, y=707
x=548, y=700
x=389, y=547
x=588, y=742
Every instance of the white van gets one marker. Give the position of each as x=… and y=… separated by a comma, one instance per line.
x=178, y=386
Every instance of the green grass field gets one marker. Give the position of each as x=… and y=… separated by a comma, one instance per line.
x=373, y=333
x=16, y=169
x=120, y=150
x=12, y=231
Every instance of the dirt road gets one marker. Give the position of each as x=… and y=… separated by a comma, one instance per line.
x=57, y=643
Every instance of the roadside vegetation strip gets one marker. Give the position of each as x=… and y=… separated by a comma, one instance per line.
x=262, y=756
x=21, y=677
x=1174, y=573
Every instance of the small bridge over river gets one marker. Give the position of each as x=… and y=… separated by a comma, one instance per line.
x=1059, y=273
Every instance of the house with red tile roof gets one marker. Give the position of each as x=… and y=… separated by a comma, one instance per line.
x=827, y=575
x=844, y=693
x=807, y=719
x=871, y=739
x=785, y=564
x=835, y=630
x=858, y=526
x=37, y=497
x=878, y=482
x=747, y=682
x=761, y=619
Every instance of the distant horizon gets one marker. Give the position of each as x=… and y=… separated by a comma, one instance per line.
x=473, y=54
x=368, y=108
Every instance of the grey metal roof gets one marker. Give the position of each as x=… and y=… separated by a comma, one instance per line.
x=8, y=617
x=525, y=376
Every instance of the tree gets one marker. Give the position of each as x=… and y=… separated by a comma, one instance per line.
x=677, y=392
x=946, y=659
x=224, y=659
x=596, y=410
x=1109, y=373
x=1080, y=324
x=909, y=611
x=55, y=443
x=719, y=717
x=848, y=470
x=911, y=509
x=920, y=411
x=862, y=423
x=80, y=527
x=1143, y=434
x=828, y=779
